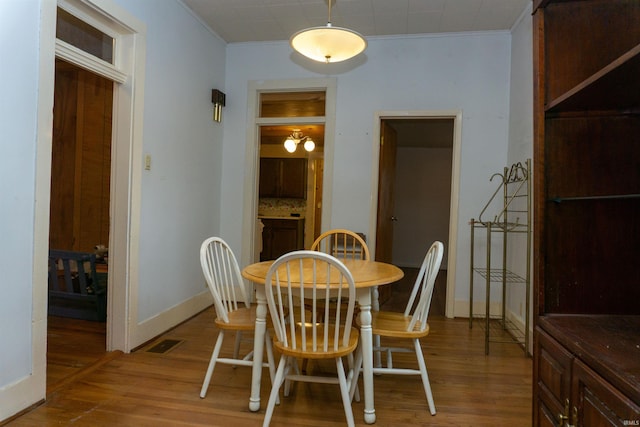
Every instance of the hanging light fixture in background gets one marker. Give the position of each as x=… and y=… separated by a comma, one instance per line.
x=328, y=43
x=296, y=137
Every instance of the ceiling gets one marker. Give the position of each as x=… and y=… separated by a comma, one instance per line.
x=272, y=20
x=239, y=21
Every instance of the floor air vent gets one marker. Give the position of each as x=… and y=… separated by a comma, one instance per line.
x=164, y=346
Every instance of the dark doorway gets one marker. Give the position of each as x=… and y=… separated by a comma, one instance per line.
x=417, y=211
x=80, y=203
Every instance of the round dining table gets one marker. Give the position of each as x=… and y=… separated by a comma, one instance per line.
x=367, y=275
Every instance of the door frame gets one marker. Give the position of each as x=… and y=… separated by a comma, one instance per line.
x=125, y=188
x=128, y=74
x=252, y=153
x=456, y=116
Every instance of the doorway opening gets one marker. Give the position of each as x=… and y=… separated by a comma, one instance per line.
x=298, y=118
x=79, y=209
x=291, y=126
x=417, y=195
x=116, y=65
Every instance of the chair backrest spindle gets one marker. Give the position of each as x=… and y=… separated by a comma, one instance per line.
x=425, y=282
x=223, y=276
x=299, y=282
x=342, y=244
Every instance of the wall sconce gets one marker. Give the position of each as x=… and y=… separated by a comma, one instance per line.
x=218, y=98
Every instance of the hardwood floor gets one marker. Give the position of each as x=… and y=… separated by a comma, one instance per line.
x=73, y=347
x=162, y=389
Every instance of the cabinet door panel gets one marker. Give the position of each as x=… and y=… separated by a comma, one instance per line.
x=598, y=403
x=280, y=236
x=545, y=417
x=553, y=382
x=294, y=173
x=284, y=240
x=269, y=177
x=283, y=178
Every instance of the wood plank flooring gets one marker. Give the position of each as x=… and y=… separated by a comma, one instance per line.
x=73, y=347
x=162, y=389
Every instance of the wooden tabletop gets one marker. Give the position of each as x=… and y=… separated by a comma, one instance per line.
x=365, y=273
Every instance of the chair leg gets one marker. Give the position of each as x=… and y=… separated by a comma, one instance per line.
x=357, y=367
x=352, y=380
x=425, y=376
x=344, y=392
x=375, y=306
x=212, y=364
x=292, y=365
x=236, y=347
x=270, y=360
x=275, y=390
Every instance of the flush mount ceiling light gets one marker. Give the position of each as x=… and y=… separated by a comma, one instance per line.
x=296, y=137
x=328, y=43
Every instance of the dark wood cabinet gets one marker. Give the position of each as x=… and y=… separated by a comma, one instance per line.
x=283, y=178
x=579, y=384
x=553, y=365
x=586, y=210
x=280, y=236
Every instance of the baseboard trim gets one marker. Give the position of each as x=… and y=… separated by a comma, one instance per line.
x=159, y=324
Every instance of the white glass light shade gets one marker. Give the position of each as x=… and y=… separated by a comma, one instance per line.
x=328, y=44
x=309, y=145
x=290, y=145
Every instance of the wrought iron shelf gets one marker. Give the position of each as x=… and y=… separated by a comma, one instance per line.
x=514, y=188
x=500, y=275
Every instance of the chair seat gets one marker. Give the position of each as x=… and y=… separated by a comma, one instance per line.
x=243, y=319
x=391, y=324
x=308, y=353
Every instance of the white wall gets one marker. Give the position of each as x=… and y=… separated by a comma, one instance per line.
x=17, y=184
x=25, y=127
x=180, y=194
x=521, y=142
x=521, y=90
x=467, y=72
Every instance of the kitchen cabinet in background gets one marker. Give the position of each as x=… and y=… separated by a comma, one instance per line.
x=280, y=236
x=284, y=178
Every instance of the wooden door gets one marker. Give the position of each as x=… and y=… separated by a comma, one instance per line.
x=386, y=181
